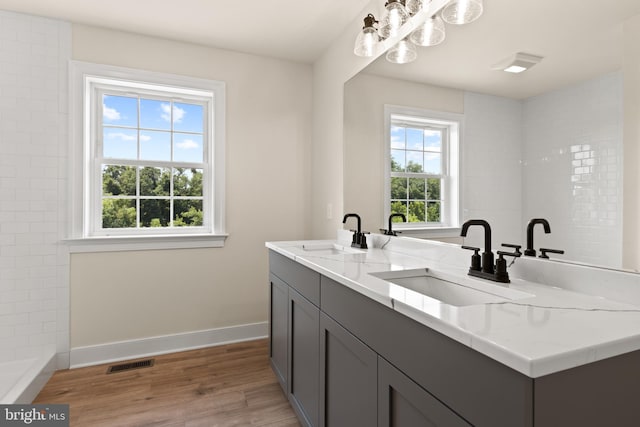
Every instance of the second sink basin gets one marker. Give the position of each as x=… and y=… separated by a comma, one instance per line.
x=450, y=290
x=324, y=249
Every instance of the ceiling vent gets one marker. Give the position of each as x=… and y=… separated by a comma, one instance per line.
x=517, y=63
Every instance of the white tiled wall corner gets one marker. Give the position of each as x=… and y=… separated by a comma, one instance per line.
x=572, y=170
x=491, y=167
x=34, y=284
x=556, y=156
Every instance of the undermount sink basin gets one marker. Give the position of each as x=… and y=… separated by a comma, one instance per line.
x=450, y=290
x=324, y=249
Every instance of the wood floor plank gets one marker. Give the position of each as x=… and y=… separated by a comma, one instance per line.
x=223, y=386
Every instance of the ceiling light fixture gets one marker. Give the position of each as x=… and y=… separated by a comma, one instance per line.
x=393, y=17
x=402, y=53
x=461, y=12
x=430, y=33
x=517, y=62
x=368, y=38
x=415, y=6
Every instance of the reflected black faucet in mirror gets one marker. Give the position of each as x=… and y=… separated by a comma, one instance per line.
x=359, y=239
x=389, y=231
x=529, y=251
x=543, y=252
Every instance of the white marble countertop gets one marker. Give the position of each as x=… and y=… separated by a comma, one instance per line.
x=538, y=329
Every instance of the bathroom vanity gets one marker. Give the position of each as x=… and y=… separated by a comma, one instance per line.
x=399, y=335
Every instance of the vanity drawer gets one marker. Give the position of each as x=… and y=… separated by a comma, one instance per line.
x=299, y=277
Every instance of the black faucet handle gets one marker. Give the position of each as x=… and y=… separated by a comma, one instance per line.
x=363, y=240
x=475, y=258
x=515, y=254
x=516, y=247
x=386, y=232
x=551, y=251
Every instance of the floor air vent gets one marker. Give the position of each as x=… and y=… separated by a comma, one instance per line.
x=130, y=365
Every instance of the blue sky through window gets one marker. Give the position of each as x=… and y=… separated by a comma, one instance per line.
x=143, y=130
x=419, y=146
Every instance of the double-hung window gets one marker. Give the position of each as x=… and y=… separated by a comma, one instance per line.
x=422, y=154
x=150, y=147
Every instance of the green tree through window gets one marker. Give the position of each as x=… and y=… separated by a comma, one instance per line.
x=417, y=198
x=155, y=198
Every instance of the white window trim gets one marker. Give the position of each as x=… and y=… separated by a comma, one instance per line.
x=79, y=238
x=455, y=123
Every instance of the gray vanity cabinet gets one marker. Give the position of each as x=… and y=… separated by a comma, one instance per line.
x=294, y=339
x=480, y=390
x=348, y=372
x=403, y=403
x=304, y=355
x=278, y=328
x=347, y=360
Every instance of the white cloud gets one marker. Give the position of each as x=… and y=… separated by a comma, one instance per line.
x=187, y=144
x=122, y=136
x=178, y=113
x=110, y=114
x=145, y=137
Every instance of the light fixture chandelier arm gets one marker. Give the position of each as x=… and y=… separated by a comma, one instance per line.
x=408, y=22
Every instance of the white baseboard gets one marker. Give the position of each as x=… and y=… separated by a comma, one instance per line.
x=133, y=349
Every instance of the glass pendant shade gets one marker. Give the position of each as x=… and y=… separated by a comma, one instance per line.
x=366, y=42
x=462, y=11
x=367, y=39
x=395, y=15
x=415, y=6
x=430, y=33
x=402, y=53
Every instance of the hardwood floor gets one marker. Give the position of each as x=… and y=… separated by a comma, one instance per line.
x=230, y=385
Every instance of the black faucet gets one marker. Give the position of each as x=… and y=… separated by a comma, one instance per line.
x=547, y=229
x=389, y=231
x=486, y=268
x=487, y=255
x=359, y=239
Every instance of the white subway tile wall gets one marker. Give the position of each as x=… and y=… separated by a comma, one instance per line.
x=34, y=264
x=491, y=170
x=572, y=168
x=557, y=156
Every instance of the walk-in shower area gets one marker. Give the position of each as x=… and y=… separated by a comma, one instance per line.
x=34, y=261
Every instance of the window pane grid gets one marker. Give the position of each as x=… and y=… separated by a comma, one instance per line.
x=171, y=119
x=164, y=143
x=416, y=172
x=154, y=200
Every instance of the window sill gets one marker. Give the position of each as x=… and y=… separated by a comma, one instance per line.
x=145, y=243
x=428, y=233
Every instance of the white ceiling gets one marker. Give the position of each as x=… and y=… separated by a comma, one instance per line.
x=578, y=39
x=297, y=30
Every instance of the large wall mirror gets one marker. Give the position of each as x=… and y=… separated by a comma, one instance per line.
x=548, y=142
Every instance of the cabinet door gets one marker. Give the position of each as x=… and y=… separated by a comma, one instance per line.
x=304, y=355
x=278, y=328
x=403, y=403
x=348, y=371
